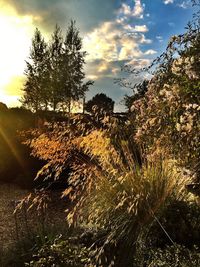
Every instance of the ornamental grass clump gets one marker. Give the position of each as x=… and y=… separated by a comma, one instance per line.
x=121, y=195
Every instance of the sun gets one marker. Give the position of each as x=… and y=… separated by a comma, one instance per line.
x=15, y=32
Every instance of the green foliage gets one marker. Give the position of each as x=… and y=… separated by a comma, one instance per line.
x=54, y=72
x=30, y=244
x=175, y=255
x=59, y=252
x=179, y=218
x=36, y=87
x=55, y=68
x=168, y=117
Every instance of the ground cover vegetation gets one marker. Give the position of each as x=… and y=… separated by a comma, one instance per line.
x=132, y=185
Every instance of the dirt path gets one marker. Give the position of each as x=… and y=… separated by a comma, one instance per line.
x=8, y=195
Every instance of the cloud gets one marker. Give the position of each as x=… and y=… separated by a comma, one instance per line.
x=102, y=68
x=113, y=35
x=166, y=2
x=138, y=9
x=116, y=43
x=51, y=12
x=127, y=11
x=150, y=52
x=185, y=4
x=136, y=28
x=139, y=63
x=159, y=38
x=111, y=42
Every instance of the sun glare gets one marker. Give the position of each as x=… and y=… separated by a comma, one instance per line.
x=15, y=32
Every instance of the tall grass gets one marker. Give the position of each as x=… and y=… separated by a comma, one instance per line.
x=121, y=195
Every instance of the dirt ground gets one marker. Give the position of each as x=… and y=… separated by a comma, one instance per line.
x=8, y=195
x=13, y=226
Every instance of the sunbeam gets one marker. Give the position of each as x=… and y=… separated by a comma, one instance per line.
x=13, y=149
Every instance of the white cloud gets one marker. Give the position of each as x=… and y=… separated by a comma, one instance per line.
x=185, y=4
x=166, y=2
x=150, y=52
x=136, y=28
x=139, y=63
x=126, y=10
x=92, y=77
x=137, y=11
x=159, y=38
x=111, y=42
x=117, y=41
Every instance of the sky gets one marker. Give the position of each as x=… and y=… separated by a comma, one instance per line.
x=114, y=32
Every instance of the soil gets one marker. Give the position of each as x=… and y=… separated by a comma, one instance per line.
x=9, y=194
x=15, y=226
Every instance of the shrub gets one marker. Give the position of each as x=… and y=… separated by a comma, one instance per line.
x=168, y=116
x=59, y=252
x=180, y=219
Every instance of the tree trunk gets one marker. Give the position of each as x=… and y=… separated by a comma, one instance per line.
x=84, y=105
x=69, y=105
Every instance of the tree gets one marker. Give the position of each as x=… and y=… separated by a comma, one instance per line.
x=73, y=63
x=54, y=73
x=100, y=103
x=36, y=86
x=67, y=62
x=56, y=70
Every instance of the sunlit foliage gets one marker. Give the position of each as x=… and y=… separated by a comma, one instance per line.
x=168, y=116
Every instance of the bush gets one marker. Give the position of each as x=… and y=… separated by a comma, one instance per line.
x=180, y=219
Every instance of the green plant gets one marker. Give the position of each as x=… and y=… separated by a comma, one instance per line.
x=179, y=218
x=21, y=251
x=60, y=252
x=120, y=195
x=174, y=255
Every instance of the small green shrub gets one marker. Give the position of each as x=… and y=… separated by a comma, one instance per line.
x=59, y=252
x=22, y=250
